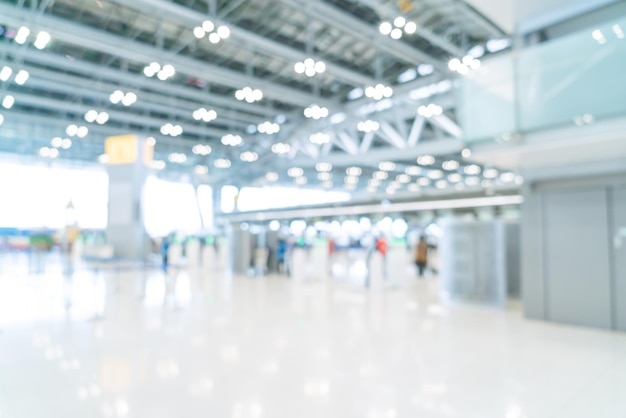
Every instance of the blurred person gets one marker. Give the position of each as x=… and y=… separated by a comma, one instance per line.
x=421, y=255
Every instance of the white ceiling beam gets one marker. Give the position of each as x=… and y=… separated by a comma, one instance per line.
x=350, y=143
x=85, y=37
x=366, y=143
x=448, y=125
x=392, y=136
x=191, y=18
x=416, y=131
x=341, y=20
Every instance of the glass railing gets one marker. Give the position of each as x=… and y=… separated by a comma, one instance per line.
x=574, y=80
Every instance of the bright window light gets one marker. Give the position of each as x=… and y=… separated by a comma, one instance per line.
x=170, y=207
x=261, y=198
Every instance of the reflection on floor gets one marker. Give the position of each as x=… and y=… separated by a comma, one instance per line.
x=131, y=344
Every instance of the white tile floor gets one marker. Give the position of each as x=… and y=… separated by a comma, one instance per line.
x=270, y=348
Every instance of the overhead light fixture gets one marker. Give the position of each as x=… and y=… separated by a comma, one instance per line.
x=201, y=170
x=48, y=152
x=490, y=173
x=472, y=169
x=295, y=172
x=466, y=153
x=455, y=178
x=323, y=167
x=171, y=130
x=425, y=69
x=222, y=163
x=104, y=159
x=355, y=93
x=5, y=73
x=319, y=138
x=430, y=110
x=204, y=115
x=378, y=92
x=368, y=126
x=8, y=101
x=426, y=160
x=127, y=99
x=94, y=116
x=354, y=171
x=324, y=176
x=380, y=175
x=248, y=156
x=464, y=65
x=387, y=166
x=497, y=45
x=249, y=95
x=42, y=40
x=177, y=157
x=216, y=34
x=300, y=180
x=450, y=165
x=232, y=140
x=21, y=77
x=435, y=174
x=150, y=141
x=281, y=148
x=271, y=176
x=22, y=35
x=403, y=178
x=201, y=149
x=316, y=112
x=309, y=67
x=395, y=30
x=269, y=128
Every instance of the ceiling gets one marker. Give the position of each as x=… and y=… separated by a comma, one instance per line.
x=98, y=47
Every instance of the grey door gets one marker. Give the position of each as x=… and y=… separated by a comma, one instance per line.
x=577, y=273
x=618, y=235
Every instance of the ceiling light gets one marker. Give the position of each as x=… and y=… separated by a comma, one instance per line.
x=150, y=141
x=103, y=159
x=413, y=187
x=324, y=176
x=441, y=184
x=324, y=167
x=56, y=142
x=214, y=38
x=351, y=180
x=71, y=130
x=466, y=153
x=271, y=176
x=426, y=160
x=5, y=73
x=42, y=40
x=21, y=77
x=455, y=178
x=200, y=149
x=232, y=140
x=435, y=174
x=450, y=165
x=249, y=95
x=249, y=156
x=201, y=170
x=355, y=93
x=387, y=166
x=396, y=33
x=177, y=157
x=66, y=143
x=424, y=181
x=477, y=52
x=315, y=112
x=269, y=128
x=619, y=32
x=410, y=28
x=368, y=126
x=22, y=35
x=91, y=116
x=403, y=178
x=472, y=181
x=82, y=131
x=430, y=110
x=507, y=177
x=103, y=117
x=385, y=28
x=116, y=96
x=158, y=164
x=309, y=67
x=8, y=101
x=300, y=180
x=281, y=148
x=208, y=26
x=380, y=175
x=496, y=45
x=222, y=163
x=413, y=170
x=425, y=69
x=319, y=138
x=198, y=32
x=129, y=99
x=379, y=91
x=223, y=32
x=354, y=171
x=472, y=169
x=295, y=172
x=490, y=173
x=399, y=22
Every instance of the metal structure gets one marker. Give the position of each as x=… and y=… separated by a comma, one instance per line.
x=218, y=48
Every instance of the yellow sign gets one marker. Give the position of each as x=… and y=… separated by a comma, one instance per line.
x=124, y=149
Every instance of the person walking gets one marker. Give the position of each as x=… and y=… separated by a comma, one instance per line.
x=421, y=255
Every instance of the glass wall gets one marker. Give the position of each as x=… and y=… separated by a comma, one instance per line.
x=574, y=80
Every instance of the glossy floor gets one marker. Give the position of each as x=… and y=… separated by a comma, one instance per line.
x=132, y=344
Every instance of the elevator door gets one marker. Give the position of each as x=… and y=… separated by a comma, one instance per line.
x=578, y=282
x=619, y=256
